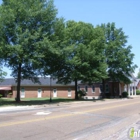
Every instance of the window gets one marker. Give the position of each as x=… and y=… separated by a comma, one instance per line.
x=69, y=92
x=93, y=89
x=101, y=88
x=107, y=88
x=55, y=92
x=22, y=93
x=39, y=93
x=86, y=88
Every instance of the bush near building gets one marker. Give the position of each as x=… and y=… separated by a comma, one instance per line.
x=138, y=92
x=125, y=94
x=81, y=93
x=0, y=95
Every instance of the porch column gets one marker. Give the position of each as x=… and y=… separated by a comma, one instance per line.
x=129, y=90
x=125, y=88
x=134, y=88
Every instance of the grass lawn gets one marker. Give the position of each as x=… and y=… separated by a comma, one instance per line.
x=32, y=101
x=39, y=101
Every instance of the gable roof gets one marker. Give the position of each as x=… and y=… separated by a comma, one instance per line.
x=137, y=81
x=43, y=81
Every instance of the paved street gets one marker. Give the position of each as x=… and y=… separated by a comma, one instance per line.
x=100, y=120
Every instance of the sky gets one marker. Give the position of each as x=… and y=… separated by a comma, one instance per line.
x=125, y=14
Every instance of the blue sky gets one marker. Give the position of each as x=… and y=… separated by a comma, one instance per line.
x=125, y=13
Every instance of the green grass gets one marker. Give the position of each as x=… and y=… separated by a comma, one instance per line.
x=32, y=101
x=39, y=101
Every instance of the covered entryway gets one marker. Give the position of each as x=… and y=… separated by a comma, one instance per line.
x=4, y=91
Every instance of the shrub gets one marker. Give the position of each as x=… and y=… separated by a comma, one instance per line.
x=81, y=93
x=0, y=95
x=107, y=95
x=124, y=94
x=10, y=93
x=138, y=92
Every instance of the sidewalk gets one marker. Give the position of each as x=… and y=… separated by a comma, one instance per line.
x=15, y=108
x=27, y=107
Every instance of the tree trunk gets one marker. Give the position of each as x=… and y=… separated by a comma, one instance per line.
x=76, y=93
x=103, y=92
x=18, y=83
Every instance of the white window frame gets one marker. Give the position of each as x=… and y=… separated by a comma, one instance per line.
x=39, y=93
x=55, y=93
x=22, y=92
x=69, y=92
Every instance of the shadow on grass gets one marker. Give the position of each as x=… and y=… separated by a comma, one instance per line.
x=40, y=101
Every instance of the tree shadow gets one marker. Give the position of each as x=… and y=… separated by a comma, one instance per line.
x=42, y=101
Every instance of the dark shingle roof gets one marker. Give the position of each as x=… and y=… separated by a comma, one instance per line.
x=43, y=81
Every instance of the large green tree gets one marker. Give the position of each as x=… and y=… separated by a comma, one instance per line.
x=2, y=73
x=138, y=75
x=26, y=27
x=119, y=57
x=80, y=54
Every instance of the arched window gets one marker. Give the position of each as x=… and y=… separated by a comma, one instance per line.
x=93, y=89
x=86, y=88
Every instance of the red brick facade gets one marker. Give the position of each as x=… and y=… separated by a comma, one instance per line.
x=138, y=85
x=31, y=90
x=44, y=92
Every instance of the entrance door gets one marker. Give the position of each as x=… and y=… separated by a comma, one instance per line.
x=39, y=94
x=22, y=93
x=54, y=92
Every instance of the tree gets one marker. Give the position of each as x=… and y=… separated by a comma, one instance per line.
x=26, y=27
x=2, y=73
x=119, y=57
x=138, y=76
x=79, y=55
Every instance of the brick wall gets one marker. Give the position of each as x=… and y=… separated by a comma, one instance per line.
x=32, y=92
x=138, y=85
x=90, y=91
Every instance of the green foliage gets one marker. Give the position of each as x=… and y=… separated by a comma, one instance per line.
x=119, y=57
x=90, y=54
x=138, y=92
x=10, y=93
x=80, y=53
x=32, y=101
x=2, y=74
x=124, y=94
x=138, y=76
x=25, y=32
x=34, y=42
x=26, y=28
x=0, y=95
x=81, y=93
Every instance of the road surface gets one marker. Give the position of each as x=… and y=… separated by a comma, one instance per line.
x=102, y=120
